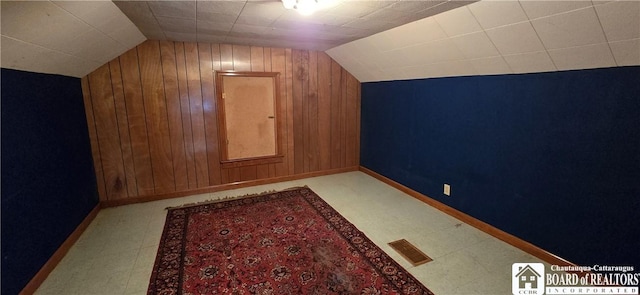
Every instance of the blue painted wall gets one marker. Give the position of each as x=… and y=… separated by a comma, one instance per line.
x=48, y=181
x=553, y=158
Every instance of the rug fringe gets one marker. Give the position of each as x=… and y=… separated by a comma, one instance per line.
x=228, y=198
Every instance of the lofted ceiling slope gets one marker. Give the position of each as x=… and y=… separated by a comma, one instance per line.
x=500, y=37
x=74, y=38
x=69, y=38
x=268, y=23
x=374, y=40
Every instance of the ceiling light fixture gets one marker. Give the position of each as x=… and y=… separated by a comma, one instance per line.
x=304, y=7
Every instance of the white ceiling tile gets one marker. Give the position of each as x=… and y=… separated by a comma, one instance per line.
x=417, y=72
x=458, y=22
x=537, y=8
x=138, y=12
x=583, y=57
x=601, y=2
x=388, y=59
x=387, y=15
x=626, y=53
x=97, y=47
x=378, y=43
x=75, y=66
x=434, y=52
x=204, y=8
x=177, y=25
x=530, y=62
x=352, y=8
x=447, y=69
x=364, y=46
x=210, y=39
x=491, y=14
x=414, y=6
x=106, y=18
x=177, y=9
x=337, y=53
x=401, y=74
x=620, y=20
x=405, y=35
x=322, y=18
x=490, y=65
x=385, y=76
x=395, y=73
x=185, y=37
x=126, y=33
x=576, y=28
x=516, y=38
x=203, y=26
x=94, y=13
x=48, y=25
x=459, y=68
x=475, y=45
x=20, y=55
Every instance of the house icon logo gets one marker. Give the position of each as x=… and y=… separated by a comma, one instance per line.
x=527, y=278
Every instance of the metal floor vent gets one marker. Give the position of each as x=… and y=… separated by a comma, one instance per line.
x=410, y=252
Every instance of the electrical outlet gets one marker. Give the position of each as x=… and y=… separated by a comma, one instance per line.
x=447, y=189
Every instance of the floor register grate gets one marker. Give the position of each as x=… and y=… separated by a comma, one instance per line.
x=410, y=252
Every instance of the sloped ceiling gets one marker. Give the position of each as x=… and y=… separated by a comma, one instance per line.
x=394, y=39
x=268, y=23
x=70, y=38
x=500, y=37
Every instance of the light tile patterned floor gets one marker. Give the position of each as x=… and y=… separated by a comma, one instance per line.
x=116, y=253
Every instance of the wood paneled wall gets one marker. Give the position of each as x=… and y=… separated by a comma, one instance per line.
x=152, y=116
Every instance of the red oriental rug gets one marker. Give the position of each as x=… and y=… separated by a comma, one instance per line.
x=288, y=242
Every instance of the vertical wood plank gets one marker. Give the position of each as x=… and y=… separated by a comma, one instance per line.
x=352, y=120
x=290, y=110
x=226, y=57
x=248, y=173
x=217, y=65
x=336, y=95
x=137, y=121
x=93, y=137
x=209, y=108
x=298, y=111
x=241, y=58
x=267, y=59
x=197, y=113
x=226, y=64
x=268, y=68
x=156, y=115
x=161, y=110
x=257, y=59
x=123, y=128
x=107, y=131
x=312, y=113
x=234, y=174
x=343, y=118
x=262, y=171
x=324, y=111
x=306, y=133
x=185, y=110
x=278, y=64
x=174, y=114
x=257, y=65
x=242, y=62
